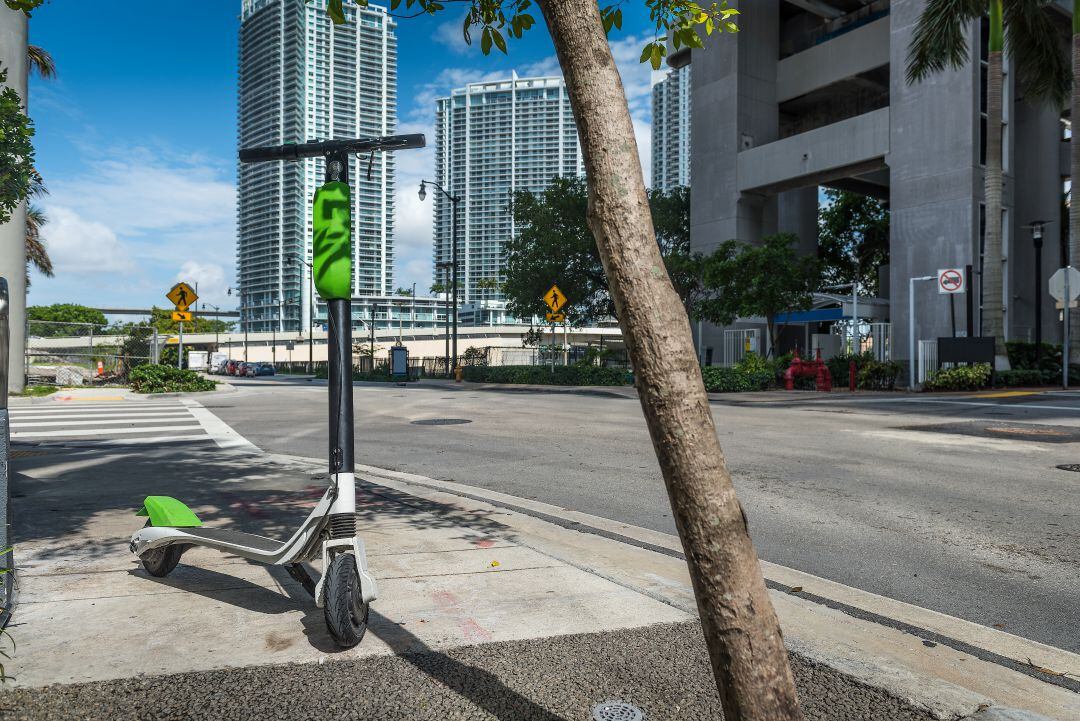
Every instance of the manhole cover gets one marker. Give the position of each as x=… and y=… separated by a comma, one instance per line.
x=1074, y=467
x=441, y=422
x=617, y=711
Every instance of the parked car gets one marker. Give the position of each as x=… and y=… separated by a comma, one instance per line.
x=230, y=368
x=240, y=369
x=259, y=369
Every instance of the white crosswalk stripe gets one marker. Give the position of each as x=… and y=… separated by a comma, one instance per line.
x=172, y=420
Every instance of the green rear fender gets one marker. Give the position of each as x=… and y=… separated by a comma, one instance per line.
x=331, y=252
x=166, y=511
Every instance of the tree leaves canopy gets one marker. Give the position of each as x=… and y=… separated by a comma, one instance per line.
x=853, y=239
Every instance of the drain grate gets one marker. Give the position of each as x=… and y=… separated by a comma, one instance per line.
x=1074, y=467
x=617, y=711
x=441, y=422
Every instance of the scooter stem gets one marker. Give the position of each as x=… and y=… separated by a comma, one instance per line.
x=342, y=446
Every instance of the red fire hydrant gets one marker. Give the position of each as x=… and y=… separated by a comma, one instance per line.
x=815, y=368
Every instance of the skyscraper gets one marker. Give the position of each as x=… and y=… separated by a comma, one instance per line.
x=671, y=130
x=303, y=78
x=493, y=139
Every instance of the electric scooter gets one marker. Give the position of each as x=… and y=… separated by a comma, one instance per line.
x=346, y=587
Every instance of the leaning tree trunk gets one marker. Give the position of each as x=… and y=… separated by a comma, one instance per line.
x=1074, y=206
x=741, y=629
x=993, y=318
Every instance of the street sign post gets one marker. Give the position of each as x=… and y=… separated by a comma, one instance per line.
x=555, y=301
x=951, y=280
x=183, y=296
x=1065, y=287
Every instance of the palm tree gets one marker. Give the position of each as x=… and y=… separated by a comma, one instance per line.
x=41, y=61
x=1041, y=69
x=36, y=254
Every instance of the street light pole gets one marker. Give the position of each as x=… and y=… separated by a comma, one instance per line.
x=453, y=293
x=1037, y=227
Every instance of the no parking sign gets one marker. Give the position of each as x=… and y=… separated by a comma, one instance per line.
x=951, y=280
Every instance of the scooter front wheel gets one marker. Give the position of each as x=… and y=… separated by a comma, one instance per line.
x=345, y=610
x=160, y=562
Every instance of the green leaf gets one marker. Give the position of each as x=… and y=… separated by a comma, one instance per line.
x=618, y=18
x=500, y=42
x=485, y=41
x=336, y=12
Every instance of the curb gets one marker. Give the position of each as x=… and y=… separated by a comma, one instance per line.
x=223, y=387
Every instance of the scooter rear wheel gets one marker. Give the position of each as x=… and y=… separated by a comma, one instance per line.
x=345, y=610
x=160, y=562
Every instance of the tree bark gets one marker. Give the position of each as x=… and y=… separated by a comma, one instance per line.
x=1074, y=206
x=741, y=630
x=993, y=321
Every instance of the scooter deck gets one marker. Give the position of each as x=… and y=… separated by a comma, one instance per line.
x=236, y=538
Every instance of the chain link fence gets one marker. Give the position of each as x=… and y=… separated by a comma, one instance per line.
x=73, y=354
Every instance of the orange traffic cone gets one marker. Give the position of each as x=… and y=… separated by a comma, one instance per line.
x=100, y=368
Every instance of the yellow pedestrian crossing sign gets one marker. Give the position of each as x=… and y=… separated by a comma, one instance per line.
x=555, y=299
x=182, y=296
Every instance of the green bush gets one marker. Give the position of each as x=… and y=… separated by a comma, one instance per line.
x=736, y=380
x=575, y=375
x=150, y=378
x=1019, y=377
x=877, y=375
x=960, y=378
x=1022, y=356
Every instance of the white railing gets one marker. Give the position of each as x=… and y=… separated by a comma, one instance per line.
x=879, y=341
x=928, y=360
x=737, y=343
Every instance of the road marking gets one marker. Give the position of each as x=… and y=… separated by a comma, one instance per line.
x=1009, y=394
x=102, y=417
x=952, y=439
x=112, y=408
x=100, y=431
x=102, y=422
x=1036, y=406
x=219, y=430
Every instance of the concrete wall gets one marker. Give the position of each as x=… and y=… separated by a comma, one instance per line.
x=852, y=53
x=13, y=233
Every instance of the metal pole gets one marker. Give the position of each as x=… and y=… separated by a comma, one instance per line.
x=180, y=352
x=339, y=319
x=855, y=316
x=454, y=260
x=969, y=301
x=1065, y=343
x=91, y=348
x=566, y=344
x=447, y=356
x=911, y=334
x=1038, y=304
x=552, y=349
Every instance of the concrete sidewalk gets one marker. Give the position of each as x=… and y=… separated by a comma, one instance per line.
x=490, y=607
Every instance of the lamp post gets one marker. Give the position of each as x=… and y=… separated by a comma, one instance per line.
x=454, y=200
x=217, y=326
x=240, y=293
x=911, y=325
x=311, y=316
x=446, y=266
x=1036, y=227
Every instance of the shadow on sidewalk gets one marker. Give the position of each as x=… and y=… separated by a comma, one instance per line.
x=480, y=687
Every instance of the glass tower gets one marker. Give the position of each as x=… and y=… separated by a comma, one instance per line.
x=671, y=130
x=303, y=78
x=491, y=140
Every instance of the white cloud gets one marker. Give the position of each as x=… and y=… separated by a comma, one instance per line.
x=449, y=35
x=137, y=220
x=208, y=278
x=78, y=246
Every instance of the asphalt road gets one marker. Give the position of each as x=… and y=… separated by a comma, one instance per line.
x=954, y=504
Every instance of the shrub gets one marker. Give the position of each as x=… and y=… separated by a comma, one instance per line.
x=877, y=375
x=150, y=378
x=575, y=375
x=960, y=378
x=736, y=380
x=1019, y=377
x=1022, y=356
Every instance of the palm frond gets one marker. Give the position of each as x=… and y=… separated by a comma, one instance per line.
x=939, y=41
x=36, y=253
x=1039, y=52
x=37, y=184
x=41, y=61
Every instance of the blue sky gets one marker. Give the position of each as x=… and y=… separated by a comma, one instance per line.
x=136, y=139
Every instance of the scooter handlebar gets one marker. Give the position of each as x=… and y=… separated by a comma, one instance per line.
x=316, y=149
